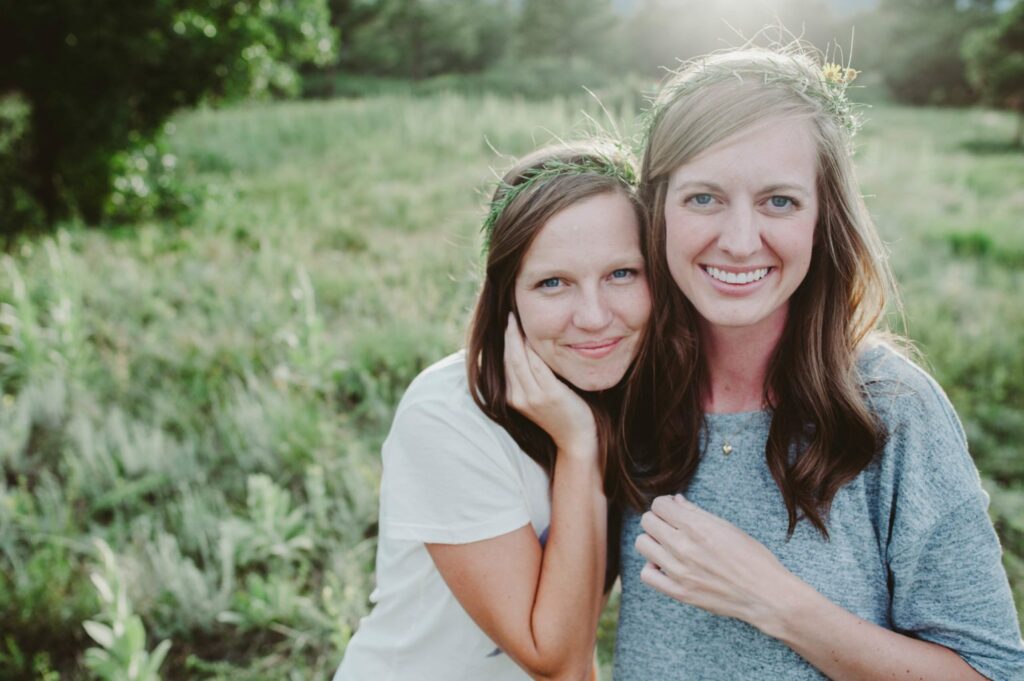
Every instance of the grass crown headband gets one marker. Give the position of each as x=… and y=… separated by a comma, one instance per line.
x=505, y=194
x=824, y=84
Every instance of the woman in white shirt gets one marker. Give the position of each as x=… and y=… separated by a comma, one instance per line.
x=491, y=559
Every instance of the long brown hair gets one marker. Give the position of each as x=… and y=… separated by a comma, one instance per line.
x=817, y=400
x=540, y=185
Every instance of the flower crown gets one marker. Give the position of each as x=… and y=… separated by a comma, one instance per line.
x=505, y=194
x=825, y=84
x=837, y=78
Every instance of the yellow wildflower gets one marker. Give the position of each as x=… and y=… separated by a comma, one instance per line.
x=837, y=75
x=833, y=73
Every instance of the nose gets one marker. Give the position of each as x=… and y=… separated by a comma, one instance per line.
x=741, y=234
x=592, y=310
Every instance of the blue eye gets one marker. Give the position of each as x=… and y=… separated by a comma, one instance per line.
x=623, y=273
x=702, y=199
x=553, y=282
x=781, y=202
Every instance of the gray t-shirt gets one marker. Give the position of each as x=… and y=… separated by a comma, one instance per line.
x=911, y=546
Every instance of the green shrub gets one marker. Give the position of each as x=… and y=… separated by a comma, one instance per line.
x=18, y=207
x=122, y=653
x=147, y=185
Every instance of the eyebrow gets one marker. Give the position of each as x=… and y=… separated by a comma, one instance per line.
x=556, y=270
x=697, y=184
x=711, y=186
x=786, y=188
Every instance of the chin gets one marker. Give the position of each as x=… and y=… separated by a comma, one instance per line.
x=593, y=381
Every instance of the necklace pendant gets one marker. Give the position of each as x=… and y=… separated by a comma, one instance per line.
x=727, y=449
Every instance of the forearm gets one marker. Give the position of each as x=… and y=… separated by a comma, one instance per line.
x=843, y=646
x=569, y=590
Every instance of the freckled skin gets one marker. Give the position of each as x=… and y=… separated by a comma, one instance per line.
x=581, y=292
x=748, y=203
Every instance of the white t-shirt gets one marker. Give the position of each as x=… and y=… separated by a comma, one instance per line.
x=451, y=476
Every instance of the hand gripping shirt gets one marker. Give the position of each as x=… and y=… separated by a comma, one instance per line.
x=450, y=476
x=911, y=546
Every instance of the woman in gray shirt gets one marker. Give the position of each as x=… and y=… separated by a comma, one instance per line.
x=815, y=509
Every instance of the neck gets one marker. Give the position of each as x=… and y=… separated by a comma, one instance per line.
x=737, y=360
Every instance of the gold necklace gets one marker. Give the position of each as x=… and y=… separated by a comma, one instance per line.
x=727, y=447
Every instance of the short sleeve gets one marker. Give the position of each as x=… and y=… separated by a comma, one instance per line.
x=945, y=561
x=951, y=589
x=448, y=478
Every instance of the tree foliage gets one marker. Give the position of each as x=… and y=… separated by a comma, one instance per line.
x=912, y=44
x=565, y=30
x=87, y=81
x=420, y=38
x=995, y=63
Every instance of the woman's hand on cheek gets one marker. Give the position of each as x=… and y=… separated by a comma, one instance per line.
x=534, y=391
x=700, y=559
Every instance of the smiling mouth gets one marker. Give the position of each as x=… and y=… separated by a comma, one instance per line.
x=739, y=278
x=596, y=349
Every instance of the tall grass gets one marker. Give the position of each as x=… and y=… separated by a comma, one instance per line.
x=209, y=400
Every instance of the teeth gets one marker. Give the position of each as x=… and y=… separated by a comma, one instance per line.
x=737, y=277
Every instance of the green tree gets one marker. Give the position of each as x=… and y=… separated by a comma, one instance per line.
x=567, y=29
x=420, y=38
x=102, y=77
x=995, y=64
x=909, y=43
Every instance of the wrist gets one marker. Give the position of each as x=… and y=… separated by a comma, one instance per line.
x=580, y=465
x=580, y=447
x=788, y=608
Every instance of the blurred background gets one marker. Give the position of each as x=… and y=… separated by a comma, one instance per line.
x=234, y=230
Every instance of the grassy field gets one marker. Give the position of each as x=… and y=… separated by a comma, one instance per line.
x=192, y=413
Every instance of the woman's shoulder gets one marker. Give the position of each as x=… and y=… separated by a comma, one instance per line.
x=441, y=391
x=925, y=457
x=899, y=389
x=442, y=384
x=881, y=360
x=442, y=379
